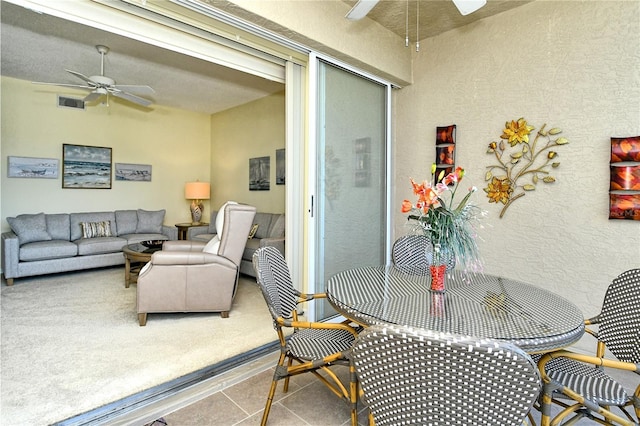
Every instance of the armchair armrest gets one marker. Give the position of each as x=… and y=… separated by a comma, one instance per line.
x=183, y=246
x=170, y=257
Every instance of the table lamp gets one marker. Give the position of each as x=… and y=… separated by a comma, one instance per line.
x=196, y=192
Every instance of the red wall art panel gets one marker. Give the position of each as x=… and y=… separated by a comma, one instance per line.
x=624, y=189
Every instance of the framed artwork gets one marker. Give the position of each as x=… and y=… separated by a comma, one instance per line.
x=133, y=172
x=280, y=166
x=445, y=150
x=446, y=134
x=32, y=167
x=86, y=167
x=259, y=170
x=362, y=167
x=624, y=188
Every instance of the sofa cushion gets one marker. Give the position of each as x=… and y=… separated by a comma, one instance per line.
x=29, y=227
x=43, y=250
x=277, y=226
x=58, y=226
x=77, y=218
x=99, y=245
x=264, y=223
x=250, y=248
x=126, y=221
x=150, y=221
x=96, y=229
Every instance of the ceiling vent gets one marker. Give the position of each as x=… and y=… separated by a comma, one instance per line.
x=66, y=102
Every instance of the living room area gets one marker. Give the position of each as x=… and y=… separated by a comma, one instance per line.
x=565, y=74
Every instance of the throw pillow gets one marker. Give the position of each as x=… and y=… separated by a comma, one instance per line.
x=96, y=229
x=212, y=246
x=252, y=233
x=220, y=218
x=29, y=227
x=150, y=221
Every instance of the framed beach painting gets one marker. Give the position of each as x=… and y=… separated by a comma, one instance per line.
x=133, y=172
x=32, y=167
x=87, y=167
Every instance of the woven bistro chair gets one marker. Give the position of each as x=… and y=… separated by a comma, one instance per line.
x=424, y=377
x=578, y=383
x=313, y=346
x=417, y=251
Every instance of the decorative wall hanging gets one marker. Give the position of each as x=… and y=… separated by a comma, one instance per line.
x=362, y=155
x=624, y=189
x=259, y=171
x=280, y=166
x=86, y=167
x=521, y=163
x=32, y=167
x=133, y=172
x=445, y=151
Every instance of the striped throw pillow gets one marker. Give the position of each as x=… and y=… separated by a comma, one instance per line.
x=96, y=229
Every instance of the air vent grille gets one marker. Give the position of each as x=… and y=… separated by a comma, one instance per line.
x=67, y=102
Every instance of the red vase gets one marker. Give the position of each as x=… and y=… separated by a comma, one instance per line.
x=438, y=273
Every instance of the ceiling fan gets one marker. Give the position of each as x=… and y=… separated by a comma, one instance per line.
x=363, y=7
x=101, y=85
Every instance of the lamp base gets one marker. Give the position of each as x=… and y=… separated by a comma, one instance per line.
x=196, y=212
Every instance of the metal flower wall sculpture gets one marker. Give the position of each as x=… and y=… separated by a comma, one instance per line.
x=521, y=163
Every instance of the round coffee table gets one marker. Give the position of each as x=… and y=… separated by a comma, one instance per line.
x=135, y=257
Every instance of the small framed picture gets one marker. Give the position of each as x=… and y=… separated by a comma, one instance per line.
x=32, y=167
x=133, y=172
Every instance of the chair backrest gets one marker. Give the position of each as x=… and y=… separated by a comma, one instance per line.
x=418, y=376
x=417, y=251
x=274, y=279
x=238, y=219
x=619, y=325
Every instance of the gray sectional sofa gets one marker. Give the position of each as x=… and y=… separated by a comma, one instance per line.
x=269, y=232
x=48, y=243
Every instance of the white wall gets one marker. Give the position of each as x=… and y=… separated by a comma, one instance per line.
x=574, y=65
x=175, y=143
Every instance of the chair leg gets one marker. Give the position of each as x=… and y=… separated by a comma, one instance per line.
x=224, y=314
x=142, y=319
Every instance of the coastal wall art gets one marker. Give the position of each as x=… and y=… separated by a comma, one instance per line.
x=32, y=167
x=86, y=167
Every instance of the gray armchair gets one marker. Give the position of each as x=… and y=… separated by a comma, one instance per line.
x=194, y=276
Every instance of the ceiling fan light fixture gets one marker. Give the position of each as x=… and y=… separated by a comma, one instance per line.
x=361, y=9
x=468, y=6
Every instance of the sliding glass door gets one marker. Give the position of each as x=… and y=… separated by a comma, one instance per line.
x=350, y=202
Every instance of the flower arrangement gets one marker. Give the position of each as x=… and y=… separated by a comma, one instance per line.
x=519, y=160
x=448, y=226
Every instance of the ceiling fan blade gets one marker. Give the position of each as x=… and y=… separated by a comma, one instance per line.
x=82, y=77
x=468, y=6
x=139, y=89
x=361, y=9
x=93, y=96
x=77, y=86
x=131, y=98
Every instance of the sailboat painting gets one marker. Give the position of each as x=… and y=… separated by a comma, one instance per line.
x=32, y=167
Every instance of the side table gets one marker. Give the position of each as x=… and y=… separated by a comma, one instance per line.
x=184, y=227
x=135, y=257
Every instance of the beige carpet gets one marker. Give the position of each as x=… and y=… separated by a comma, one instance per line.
x=72, y=343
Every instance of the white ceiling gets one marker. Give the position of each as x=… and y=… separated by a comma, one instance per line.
x=37, y=47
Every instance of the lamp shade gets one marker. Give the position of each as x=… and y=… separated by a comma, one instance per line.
x=197, y=190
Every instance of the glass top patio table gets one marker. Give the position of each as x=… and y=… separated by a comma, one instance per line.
x=473, y=304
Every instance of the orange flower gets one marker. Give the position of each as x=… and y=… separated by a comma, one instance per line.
x=406, y=206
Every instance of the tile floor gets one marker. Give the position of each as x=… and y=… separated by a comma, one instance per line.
x=238, y=397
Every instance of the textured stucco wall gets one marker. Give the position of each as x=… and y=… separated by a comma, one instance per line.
x=574, y=65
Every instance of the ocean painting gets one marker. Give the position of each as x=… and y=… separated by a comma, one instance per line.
x=86, y=167
x=133, y=172
x=31, y=167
